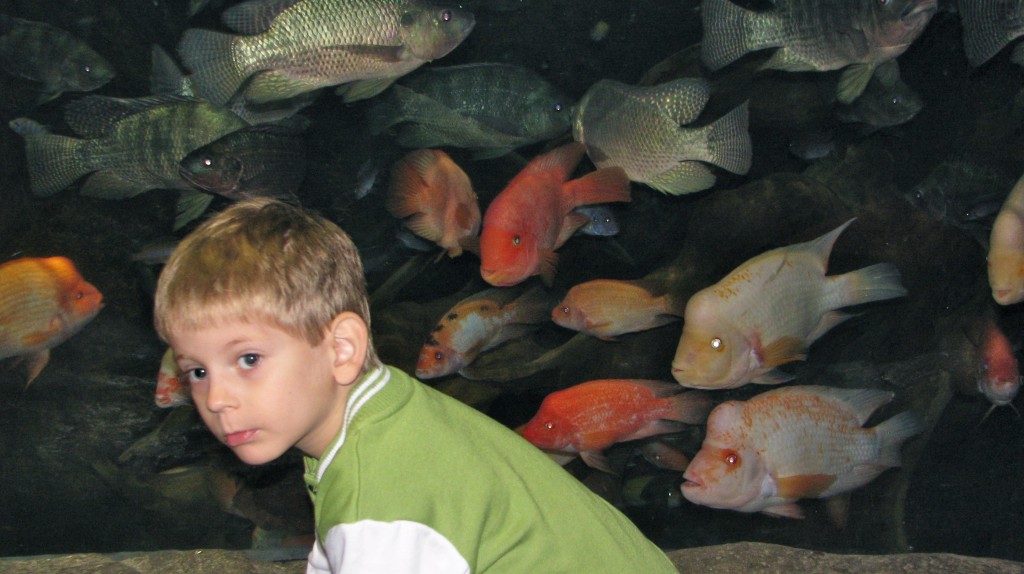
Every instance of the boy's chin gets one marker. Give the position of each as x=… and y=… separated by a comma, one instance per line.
x=255, y=456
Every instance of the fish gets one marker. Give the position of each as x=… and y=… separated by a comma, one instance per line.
x=533, y=216
x=587, y=418
x=255, y=161
x=663, y=455
x=607, y=308
x=603, y=221
x=488, y=108
x=803, y=441
x=478, y=323
x=436, y=199
x=956, y=192
x=172, y=388
x=882, y=106
x=998, y=373
x=768, y=311
x=53, y=60
x=858, y=35
x=290, y=47
x=989, y=26
x=1006, y=249
x=43, y=302
x=129, y=146
x=646, y=131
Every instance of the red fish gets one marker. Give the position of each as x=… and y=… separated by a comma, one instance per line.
x=43, y=302
x=533, y=216
x=998, y=375
x=171, y=384
x=590, y=417
x=438, y=198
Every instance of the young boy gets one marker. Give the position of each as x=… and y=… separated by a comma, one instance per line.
x=266, y=308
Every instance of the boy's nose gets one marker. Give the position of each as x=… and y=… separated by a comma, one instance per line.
x=220, y=397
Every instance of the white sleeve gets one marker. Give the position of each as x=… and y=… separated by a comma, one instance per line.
x=372, y=547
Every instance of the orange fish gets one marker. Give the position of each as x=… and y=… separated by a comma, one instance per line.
x=533, y=216
x=478, y=323
x=590, y=417
x=1006, y=249
x=998, y=373
x=607, y=308
x=764, y=454
x=43, y=301
x=171, y=384
x=437, y=198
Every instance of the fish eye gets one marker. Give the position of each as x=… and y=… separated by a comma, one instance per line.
x=248, y=360
x=79, y=295
x=564, y=309
x=516, y=240
x=446, y=15
x=731, y=457
x=549, y=425
x=718, y=344
x=87, y=69
x=438, y=356
x=207, y=161
x=558, y=107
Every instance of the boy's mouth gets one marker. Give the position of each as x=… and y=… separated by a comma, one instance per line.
x=239, y=438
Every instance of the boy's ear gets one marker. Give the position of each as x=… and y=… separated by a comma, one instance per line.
x=349, y=340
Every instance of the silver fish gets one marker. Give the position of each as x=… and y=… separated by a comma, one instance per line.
x=816, y=35
x=490, y=108
x=989, y=26
x=644, y=130
x=291, y=47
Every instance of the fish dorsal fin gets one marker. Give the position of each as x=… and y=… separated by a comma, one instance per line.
x=804, y=485
x=822, y=246
x=560, y=161
x=94, y=116
x=254, y=16
x=681, y=100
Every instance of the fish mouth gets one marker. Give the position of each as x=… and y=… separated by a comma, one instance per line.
x=920, y=7
x=691, y=482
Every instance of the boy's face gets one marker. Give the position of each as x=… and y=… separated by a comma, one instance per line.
x=262, y=390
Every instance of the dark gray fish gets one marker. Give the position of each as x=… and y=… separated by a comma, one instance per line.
x=882, y=106
x=290, y=47
x=816, y=35
x=961, y=193
x=813, y=144
x=256, y=161
x=603, y=221
x=129, y=146
x=989, y=25
x=53, y=59
x=490, y=108
x=645, y=131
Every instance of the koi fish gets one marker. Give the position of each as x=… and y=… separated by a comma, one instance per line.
x=478, y=323
x=768, y=311
x=43, y=302
x=533, y=216
x=590, y=417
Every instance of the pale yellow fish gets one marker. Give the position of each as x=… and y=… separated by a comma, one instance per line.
x=802, y=441
x=768, y=311
x=1006, y=249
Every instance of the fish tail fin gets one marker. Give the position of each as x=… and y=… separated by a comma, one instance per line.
x=725, y=33
x=872, y=283
x=533, y=306
x=692, y=407
x=54, y=161
x=891, y=435
x=605, y=185
x=729, y=144
x=211, y=56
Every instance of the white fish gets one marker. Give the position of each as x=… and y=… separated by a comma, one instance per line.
x=768, y=311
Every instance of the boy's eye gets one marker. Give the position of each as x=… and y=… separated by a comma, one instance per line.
x=248, y=360
x=195, y=375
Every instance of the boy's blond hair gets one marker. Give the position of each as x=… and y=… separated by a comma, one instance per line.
x=263, y=260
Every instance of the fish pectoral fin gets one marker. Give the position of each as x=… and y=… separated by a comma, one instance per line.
x=421, y=225
x=109, y=185
x=838, y=510
x=364, y=89
x=781, y=351
x=853, y=81
x=773, y=377
x=572, y=222
x=35, y=363
x=548, y=263
x=791, y=510
x=804, y=485
x=594, y=459
x=191, y=204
